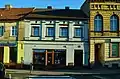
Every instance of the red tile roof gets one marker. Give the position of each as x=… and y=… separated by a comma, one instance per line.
x=14, y=13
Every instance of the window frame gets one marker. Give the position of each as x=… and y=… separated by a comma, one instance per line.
x=47, y=35
x=81, y=29
x=2, y=30
x=61, y=32
x=13, y=31
x=111, y=50
x=32, y=31
x=98, y=23
x=113, y=20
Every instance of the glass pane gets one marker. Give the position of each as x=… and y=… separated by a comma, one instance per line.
x=64, y=31
x=78, y=32
x=113, y=23
x=98, y=23
x=50, y=31
x=36, y=31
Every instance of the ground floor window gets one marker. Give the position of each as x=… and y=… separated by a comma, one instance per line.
x=13, y=54
x=39, y=57
x=60, y=57
x=49, y=57
x=115, y=50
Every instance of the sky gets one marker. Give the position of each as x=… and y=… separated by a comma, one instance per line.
x=73, y=4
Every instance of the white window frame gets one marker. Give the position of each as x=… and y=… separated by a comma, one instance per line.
x=15, y=30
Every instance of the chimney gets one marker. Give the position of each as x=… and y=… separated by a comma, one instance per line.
x=8, y=6
x=67, y=7
x=49, y=7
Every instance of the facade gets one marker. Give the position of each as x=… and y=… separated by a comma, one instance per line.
x=104, y=32
x=56, y=37
x=11, y=34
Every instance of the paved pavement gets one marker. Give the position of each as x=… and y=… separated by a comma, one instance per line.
x=81, y=74
x=63, y=72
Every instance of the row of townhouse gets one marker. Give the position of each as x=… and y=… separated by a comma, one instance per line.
x=62, y=37
x=43, y=37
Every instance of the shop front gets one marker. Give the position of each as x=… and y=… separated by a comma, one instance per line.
x=49, y=57
x=8, y=52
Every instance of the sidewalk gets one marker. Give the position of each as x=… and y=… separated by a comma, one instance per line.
x=65, y=72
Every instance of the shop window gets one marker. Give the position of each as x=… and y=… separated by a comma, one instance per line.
x=13, y=55
x=60, y=57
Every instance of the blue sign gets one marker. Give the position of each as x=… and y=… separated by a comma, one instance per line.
x=59, y=50
x=39, y=50
x=7, y=44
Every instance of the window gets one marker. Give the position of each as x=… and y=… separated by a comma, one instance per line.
x=115, y=49
x=35, y=31
x=13, y=31
x=114, y=23
x=98, y=23
x=1, y=30
x=78, y=32
x=50, y=31
x=63, y=31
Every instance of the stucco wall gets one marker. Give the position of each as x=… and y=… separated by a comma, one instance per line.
x=70, y=47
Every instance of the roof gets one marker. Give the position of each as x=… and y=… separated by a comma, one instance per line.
x=57, y=14
x=14, y=13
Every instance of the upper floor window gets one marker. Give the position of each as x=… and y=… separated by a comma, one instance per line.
x=50, y=31
x=35, y=31
x=98, y=23
x=13, y=31
x=114, y=23
x=1, y=30
x=78, y=32
x=63, y=31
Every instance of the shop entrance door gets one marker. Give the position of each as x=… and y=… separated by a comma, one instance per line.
x=49, y=59
x=1, y=53
x=78, y=58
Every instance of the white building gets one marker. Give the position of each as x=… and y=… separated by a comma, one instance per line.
x=56, y=37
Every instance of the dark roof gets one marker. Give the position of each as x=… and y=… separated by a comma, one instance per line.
x=14, y=13
x=57, y=14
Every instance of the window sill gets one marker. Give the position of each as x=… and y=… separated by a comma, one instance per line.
x=13, y=36
x=49, y=36
x=63, y=36
x=34, y=36
x=77, y=37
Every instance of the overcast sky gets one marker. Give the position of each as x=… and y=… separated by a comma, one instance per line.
x=43, y=3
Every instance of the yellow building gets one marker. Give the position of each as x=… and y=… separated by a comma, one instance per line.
x=104, y=31
x=11, y=34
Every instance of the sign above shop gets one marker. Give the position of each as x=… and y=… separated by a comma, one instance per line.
x=7, y=44
x=39, y=50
